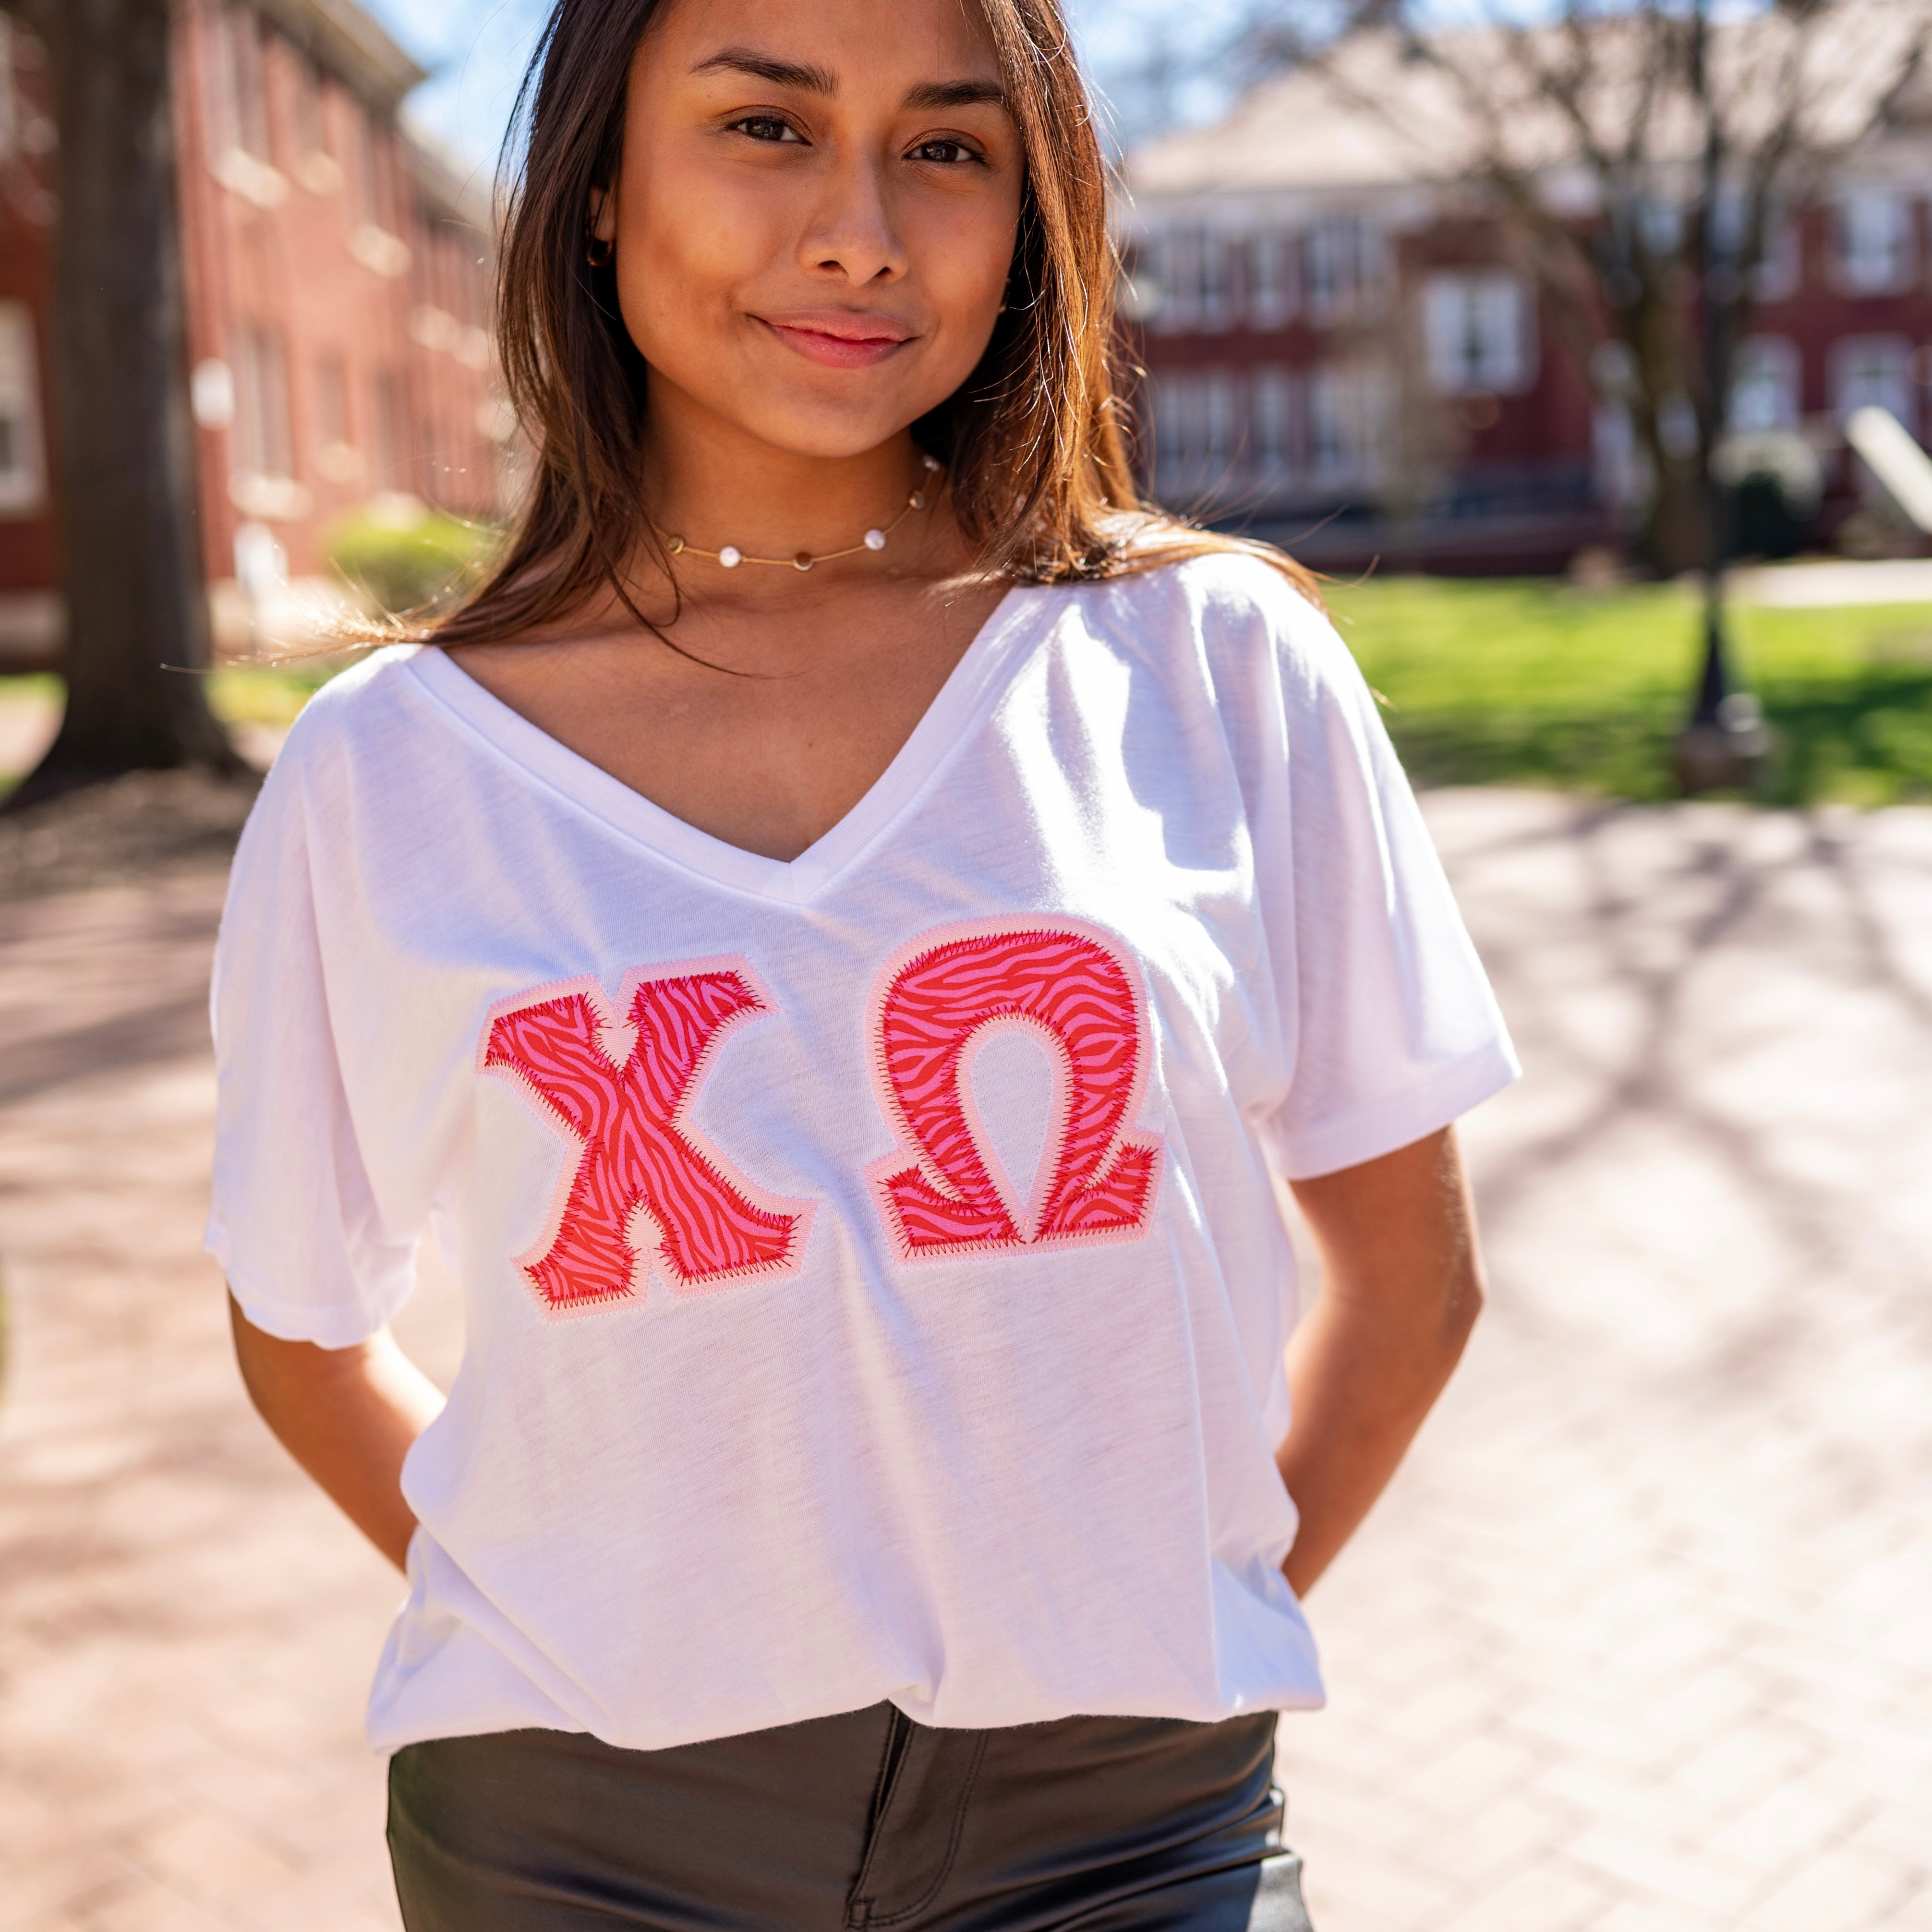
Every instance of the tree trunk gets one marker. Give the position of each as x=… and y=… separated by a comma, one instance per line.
x=130, y=555
x=1676, y=533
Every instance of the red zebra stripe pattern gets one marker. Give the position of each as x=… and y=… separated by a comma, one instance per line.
x=713, y=1226
x=1098, y=1182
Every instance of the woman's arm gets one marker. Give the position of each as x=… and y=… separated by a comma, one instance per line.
x=347, y=1415
x=1402, y=1284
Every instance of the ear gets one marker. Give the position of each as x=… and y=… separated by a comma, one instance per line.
x=604, y=214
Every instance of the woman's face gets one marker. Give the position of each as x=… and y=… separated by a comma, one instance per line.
x=815, y=212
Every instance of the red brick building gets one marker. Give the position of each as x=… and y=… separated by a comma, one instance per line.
x=339, y=283
x=1343, y=354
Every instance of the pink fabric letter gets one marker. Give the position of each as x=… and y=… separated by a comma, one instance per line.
x=712, y=1225
x=1097, y=1181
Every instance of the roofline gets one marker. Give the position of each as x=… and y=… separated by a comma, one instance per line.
x=352, y=44
x=457, y=191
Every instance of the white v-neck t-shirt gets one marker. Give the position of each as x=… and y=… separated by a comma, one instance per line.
x=874, y=1284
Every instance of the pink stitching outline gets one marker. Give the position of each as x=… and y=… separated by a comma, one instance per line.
x=909, y=1155
x=614, y=1022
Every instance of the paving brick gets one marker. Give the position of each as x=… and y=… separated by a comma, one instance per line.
x=1843, y=1891
x=1627, y=1916
x=1545, y=1899
x=1654, y=1867
x=1496, y=1840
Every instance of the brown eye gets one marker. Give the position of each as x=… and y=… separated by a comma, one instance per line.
x=948, y=153
x=766, y=127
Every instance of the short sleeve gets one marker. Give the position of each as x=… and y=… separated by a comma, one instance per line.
x=310, y=1251
x=1393, y=1027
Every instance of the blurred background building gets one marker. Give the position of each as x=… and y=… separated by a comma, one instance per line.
x=1348, y=347
x=339, y=276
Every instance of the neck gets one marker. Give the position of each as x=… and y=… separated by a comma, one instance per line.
x=710, y=483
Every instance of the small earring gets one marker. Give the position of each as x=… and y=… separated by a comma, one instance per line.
x=600, y=251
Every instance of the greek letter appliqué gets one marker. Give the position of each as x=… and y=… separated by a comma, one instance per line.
x=1096, y=1181
x=619, y=1081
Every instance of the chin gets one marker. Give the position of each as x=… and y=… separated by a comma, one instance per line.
x=818, y=432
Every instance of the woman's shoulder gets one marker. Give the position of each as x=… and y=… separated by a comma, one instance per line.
x=354, y=707
x=1226, y=598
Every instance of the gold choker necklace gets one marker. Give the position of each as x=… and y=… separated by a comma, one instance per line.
x=730, y=556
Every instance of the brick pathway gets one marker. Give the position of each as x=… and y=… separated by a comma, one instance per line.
x=1639, y=1641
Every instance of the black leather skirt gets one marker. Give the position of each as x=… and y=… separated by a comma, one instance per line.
x=863, y=1822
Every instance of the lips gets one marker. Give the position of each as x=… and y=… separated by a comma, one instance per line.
x=838, y=339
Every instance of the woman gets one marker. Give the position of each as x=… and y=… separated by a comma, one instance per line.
x=836, y=938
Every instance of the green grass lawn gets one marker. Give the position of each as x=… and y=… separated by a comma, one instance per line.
x=1528, y=682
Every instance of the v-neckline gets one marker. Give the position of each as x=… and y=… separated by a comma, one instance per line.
x=511, y=737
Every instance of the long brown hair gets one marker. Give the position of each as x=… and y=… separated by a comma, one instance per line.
x=1034, y=442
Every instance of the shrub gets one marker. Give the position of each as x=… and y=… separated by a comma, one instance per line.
x=400, y=555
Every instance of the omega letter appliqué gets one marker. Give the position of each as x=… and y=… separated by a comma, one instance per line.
x=619, y=1081
x=1096, y=1179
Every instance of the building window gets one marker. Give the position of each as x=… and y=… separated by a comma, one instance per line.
x=311, y=128
x=263, y=446
x=1782, y=268
x=331, y=401
x=10, y=97
x=1874, y=241
x=1343, y=267
x=1765, y=385
x=23, y=478
x=1217, y=282
x=1345, y=410
x=336, y=458
x=1197, y=429
x=1480, y=330
x=1175, y=255
x=1874, y=371
x=1271, y=280
x=1221, y=437
x=240, y=96
x=391, y=437
x=371, y=202
x=1273, y=422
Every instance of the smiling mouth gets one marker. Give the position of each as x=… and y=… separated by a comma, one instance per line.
x=840, y=342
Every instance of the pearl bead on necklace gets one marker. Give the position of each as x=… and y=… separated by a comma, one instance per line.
x=730, y=556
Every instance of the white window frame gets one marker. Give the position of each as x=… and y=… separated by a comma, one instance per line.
x=264, y=439
x=1479, y=331
x=1767, y=386
x=1885, y=380
x=23, y=478
x=241, y=91
x=1177, y=265
x=1346, y=399
x=1201, y=432
x=1328, y=279
x=1273, y=281
x=1872, y=240
x=1274, y=413
x=1343, y=268
x=1219, y=285
x=1221, y=438
x=1780, y=275
x=9, y=93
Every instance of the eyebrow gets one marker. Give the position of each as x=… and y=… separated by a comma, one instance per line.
x=928, y=95
x=763, y=67
x=957, y=94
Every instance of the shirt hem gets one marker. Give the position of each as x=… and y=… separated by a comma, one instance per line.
x=291, y=1320
x=1365, y=1133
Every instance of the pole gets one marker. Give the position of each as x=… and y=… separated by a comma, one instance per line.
x=1724, y=741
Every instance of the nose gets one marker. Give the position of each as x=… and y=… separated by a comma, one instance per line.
x=850, y=233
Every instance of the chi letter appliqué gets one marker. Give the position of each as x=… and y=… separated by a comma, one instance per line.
x=618, y=1082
